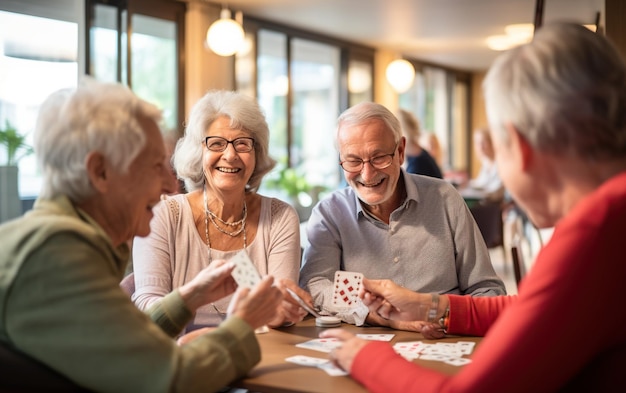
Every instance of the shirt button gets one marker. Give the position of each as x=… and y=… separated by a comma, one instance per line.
x=396, y=259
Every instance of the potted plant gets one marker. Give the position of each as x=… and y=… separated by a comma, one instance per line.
x=15, y=147
x=293, y=183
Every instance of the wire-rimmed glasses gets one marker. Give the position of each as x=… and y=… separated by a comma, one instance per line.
x=379, y=162
x=219, y=144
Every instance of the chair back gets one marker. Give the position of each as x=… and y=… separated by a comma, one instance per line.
x=488, y=217
x=517, y=256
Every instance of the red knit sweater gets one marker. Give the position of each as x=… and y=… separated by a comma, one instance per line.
x=565, y=330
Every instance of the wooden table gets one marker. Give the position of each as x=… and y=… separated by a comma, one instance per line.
x=275, y=375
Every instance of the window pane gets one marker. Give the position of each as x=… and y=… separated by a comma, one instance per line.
x=459, y=140
x=315, y=109
x=154, y=64
x=245, y=67
x=272, y=89
x=104, y=43
x=37, y=57
x=359, y=82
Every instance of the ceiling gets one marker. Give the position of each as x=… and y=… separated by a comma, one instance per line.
x=450, y=33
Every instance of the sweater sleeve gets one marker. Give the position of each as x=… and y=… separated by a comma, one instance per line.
x=152, y=262
x=283, y=245
x=79, y=322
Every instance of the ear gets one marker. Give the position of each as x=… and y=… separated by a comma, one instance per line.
x=521, y=147
x=97, y=170
x=401, y=148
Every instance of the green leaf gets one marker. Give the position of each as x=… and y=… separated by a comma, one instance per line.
x=14, y=144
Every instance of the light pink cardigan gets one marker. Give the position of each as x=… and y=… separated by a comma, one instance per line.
x=174, y=252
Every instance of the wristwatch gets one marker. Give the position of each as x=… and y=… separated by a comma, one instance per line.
x=443, y=321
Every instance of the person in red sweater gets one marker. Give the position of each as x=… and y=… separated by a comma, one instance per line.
x=560, y=144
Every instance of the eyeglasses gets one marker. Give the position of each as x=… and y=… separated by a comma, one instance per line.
x=378, y=162
x=218, y=144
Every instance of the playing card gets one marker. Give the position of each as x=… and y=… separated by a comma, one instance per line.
x=376, y=337
x=332, y=370
x=245, y=273
x=458, y=361
x=437, y=357
x=320, y=344
x=306, y=360
x=302, y=303
x=346, y=288
x=409, y=347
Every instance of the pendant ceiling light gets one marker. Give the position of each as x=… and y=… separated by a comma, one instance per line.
x=400, y=75
x=225, y=36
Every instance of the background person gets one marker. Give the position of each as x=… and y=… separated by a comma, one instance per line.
x=103, y=162
x=414, y=230
x=222, y=157
x=560, y=144
x=418, y=160
x=487, y=184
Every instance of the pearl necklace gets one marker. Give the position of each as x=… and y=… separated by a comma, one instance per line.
x=208, y=214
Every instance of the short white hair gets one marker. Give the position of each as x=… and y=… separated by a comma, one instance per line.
x=565, y=91
x=72, y=123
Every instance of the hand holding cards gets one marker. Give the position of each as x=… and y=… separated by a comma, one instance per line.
x=245, y=273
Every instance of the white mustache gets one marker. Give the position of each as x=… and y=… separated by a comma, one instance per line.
x=375, y=182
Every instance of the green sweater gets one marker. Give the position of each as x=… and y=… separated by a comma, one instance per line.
x=60, y=303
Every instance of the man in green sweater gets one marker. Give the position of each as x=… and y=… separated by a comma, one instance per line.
x=103, y=159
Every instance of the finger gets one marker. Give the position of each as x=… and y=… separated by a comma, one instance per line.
x=240, y=294
x=372, y=301
x=222, y=270
x=263, y=286
x=385, y=309
x=340, y=334
x=218, y=263
x=432, y=331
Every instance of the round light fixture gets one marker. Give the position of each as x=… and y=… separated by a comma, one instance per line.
x=400, y=75
x=225, y=36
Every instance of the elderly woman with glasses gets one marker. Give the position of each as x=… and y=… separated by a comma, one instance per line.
x=222, y=159
x=415, y=230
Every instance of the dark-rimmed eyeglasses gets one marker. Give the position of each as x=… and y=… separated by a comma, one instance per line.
x=218, y=144
x=378, y=162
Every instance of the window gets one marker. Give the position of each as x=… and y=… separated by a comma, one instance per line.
x=439, y=98
x=303, y=82
x=38, y=55
x=155, y=63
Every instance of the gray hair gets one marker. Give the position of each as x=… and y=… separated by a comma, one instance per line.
x=244, y=113
x=368, y=111
x=72, y=123
x=565, y=92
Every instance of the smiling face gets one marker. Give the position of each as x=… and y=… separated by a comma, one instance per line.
x=133, y=194
x=363, y=142
x=228, y=171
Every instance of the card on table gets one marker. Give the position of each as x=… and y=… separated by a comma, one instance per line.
x=320, y=344
x=245, y=273
x=346, y=288
x=450, y=353
x=306, y=360
x=332, y=370
x=324, y=364
x=376, y=337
